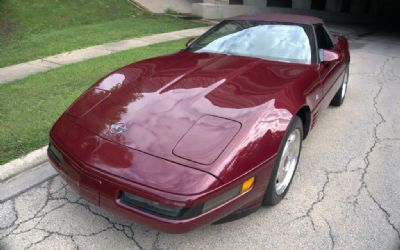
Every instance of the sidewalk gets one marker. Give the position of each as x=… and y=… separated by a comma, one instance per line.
x=22, y=70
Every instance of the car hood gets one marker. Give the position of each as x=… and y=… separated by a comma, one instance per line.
x=185, y=107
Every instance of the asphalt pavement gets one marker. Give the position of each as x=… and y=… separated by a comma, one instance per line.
x=345, y=194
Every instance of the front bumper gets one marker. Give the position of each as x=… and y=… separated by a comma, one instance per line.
x=103, y=190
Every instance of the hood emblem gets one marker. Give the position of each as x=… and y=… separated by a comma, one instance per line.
x=118, y=128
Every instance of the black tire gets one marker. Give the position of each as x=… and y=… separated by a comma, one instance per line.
x=339, y=96
x=271, y=196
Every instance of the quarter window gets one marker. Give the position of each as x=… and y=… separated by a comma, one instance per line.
x=323, y=39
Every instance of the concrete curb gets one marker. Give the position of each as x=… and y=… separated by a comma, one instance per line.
x=26, y=180
x=19, y=165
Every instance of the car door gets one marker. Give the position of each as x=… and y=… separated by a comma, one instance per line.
x=328, y=71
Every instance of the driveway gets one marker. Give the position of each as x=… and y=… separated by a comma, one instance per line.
x=345, y=194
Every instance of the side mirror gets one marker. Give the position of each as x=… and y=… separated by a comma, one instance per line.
x=190, y=41
x=327, y=56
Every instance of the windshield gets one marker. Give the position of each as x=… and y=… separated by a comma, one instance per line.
x=271, y=41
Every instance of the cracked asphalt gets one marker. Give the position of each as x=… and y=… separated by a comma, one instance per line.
x=345, y=194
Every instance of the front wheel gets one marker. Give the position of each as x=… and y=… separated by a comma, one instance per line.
x=285, y=163
x=340, y=95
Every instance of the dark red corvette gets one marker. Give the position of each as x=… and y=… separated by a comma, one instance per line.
x=184, y=140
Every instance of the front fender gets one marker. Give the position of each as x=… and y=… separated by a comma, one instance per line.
x=256, y=144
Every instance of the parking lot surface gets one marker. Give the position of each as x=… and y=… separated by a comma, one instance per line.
x=345, y=194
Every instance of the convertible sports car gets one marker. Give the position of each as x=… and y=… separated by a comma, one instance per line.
x=215, y=130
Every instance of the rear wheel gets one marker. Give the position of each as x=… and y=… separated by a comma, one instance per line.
x=285, y=163
x=341, y=94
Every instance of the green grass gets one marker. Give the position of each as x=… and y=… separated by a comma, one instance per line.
x=30, y=106
x=38, y=28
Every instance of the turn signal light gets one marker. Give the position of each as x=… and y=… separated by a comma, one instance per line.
x=247, y=185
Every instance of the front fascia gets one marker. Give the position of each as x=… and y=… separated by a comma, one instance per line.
x=109, y=187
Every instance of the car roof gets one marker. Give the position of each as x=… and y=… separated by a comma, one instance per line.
x=285, y=18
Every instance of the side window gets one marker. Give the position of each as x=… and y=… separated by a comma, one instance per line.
x=323, y=39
